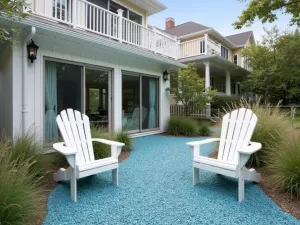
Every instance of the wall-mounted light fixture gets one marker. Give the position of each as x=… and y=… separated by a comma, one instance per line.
x=166, y=76
x=32, y=49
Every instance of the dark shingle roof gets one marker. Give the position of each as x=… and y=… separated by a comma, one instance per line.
x=240, y=39
x=186, y=28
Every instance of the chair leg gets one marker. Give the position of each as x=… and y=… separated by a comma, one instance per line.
x=241, y=188
x=74, y=186
x=195, y=176
x=115, y=176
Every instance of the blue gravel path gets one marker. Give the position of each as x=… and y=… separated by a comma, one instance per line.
x=155, y=187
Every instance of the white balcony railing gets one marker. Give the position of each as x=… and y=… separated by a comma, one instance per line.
x=197, y=47
x=88, y=16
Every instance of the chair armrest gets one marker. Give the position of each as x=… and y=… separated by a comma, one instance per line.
x=63, y=149
x=206, y=141
x=195, y=145
x=70, y=153
x=116, y=147
x=252, y=148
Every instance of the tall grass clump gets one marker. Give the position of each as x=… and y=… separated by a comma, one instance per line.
x=123, y=137
x=204, y=129
x=20, y=190
x=102, y=150
x=284, y=164
x=271, y=127
x=182, y=126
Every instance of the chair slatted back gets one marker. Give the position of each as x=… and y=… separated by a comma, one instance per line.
x=75, y=130
x=237, y=129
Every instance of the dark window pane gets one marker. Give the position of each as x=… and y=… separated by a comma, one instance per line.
x=135, y=17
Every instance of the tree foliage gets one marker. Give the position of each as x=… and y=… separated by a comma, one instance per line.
x=189, y=89
x=265, y=10
x=275, y=66
x=13, y=11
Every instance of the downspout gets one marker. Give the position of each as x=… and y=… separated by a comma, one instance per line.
x=25, y=126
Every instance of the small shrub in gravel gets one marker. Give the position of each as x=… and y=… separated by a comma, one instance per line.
x=204, y=129
x=182, y=126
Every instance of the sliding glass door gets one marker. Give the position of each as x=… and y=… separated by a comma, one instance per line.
x=97, y=91
x=79, y=88
x=63, y=90
x=140, y=111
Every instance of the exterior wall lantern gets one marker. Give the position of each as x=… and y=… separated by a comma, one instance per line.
x=32, y=49
x=166, y=76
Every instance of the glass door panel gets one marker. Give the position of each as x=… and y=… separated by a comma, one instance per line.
x=150, y=103
x=97, y=105
x=131, y=103
x=63, y=90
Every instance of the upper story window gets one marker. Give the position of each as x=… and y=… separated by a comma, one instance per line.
x=224, y=52
x=113, y=7
x=235, y=59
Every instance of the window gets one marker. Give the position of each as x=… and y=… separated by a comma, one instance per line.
x=246, y=62
x=135, y=17
x=140, y=102
x=212, y=82
x=224, y=52
x=235, y=59
x=62, y=10
x=113, y=7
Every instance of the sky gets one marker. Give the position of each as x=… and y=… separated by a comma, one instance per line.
x=218, y=14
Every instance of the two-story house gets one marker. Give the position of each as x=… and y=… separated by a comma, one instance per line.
x=95, y=56
x=217, y=58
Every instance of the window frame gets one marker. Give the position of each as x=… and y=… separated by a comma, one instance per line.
x=237, y=59
x=225, y=51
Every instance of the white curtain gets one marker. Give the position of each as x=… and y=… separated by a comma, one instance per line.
x=152, y=103
x=51, y=133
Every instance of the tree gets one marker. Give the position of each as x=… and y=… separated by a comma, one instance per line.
x=13, y=11
x=188, y=88
x=266, y=11
x=275, y=64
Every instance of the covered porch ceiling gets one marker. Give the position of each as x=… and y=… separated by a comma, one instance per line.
x=150, y=6
x=218, y=66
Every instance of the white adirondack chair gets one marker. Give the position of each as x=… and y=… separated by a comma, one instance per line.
x=78, y=149
x=235, y=150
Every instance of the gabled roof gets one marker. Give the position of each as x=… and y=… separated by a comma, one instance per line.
x=186, y=28
x=240, y=39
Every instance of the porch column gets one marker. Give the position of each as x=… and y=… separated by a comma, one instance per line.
x=207, y=75
x=228, y=83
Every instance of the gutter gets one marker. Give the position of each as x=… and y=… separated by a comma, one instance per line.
x=25, y=111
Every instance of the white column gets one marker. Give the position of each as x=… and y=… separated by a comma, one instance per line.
x=206, y=43
x=207, y=75
x=117, y=100
x=74, y=13
x=228, y=83
x=236, y=88
x=120, y=25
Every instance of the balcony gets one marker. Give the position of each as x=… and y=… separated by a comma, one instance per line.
x=204, y=46
x=81, y=14
x=198, y=47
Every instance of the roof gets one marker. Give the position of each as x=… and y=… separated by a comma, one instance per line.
x=240, y=39
x=186, y=28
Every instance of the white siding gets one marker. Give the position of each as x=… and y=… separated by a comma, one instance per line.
x=62, y=49
x=6, y=88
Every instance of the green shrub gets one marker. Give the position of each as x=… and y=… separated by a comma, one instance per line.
x=20, y=191
x=123, y=137
x=272, y=125
x=182, y=126
x=221, y=102
x=284, y=164
x=204, y=129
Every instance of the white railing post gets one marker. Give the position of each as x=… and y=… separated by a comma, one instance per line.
x=74, y=13
x=154, y=39
x=120, y=25
x=177, y=50
x=205, y=44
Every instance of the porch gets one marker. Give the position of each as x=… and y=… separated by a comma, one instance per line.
x=111, y=22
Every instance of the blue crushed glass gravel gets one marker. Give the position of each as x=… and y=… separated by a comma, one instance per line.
x=155, y=187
